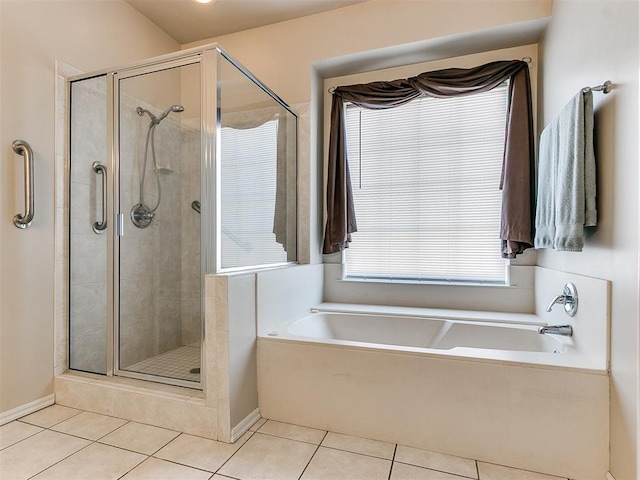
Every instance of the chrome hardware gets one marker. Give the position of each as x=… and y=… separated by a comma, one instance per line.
x=569, y=299
x=142, y=216
x=564, y=330
x=196, y=205
x=22, y=148
x=99, y=168
x=604, y=88
x=119, y=224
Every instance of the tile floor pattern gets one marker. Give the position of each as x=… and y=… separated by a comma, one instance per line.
x=176, y=363
x=64, y=443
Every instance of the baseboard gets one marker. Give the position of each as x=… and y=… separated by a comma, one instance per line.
x=610, y=477
x=26, y=409
x=245, y=425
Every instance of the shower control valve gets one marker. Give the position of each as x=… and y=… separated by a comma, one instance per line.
x=142, y=216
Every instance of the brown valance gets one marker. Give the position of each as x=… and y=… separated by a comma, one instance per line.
x=517, y=182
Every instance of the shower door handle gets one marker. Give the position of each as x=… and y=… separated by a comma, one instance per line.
x=99, y=168
x=22, y=148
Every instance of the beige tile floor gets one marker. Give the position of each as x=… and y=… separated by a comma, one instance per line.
x=63, y=443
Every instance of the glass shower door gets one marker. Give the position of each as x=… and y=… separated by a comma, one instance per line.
x=88, y=333
x=159, y=269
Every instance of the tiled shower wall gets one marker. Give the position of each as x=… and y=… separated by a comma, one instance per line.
x=159, y=265
x=150, y=258
x=191, y=304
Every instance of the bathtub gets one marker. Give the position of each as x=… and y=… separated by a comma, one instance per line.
x=478, y=385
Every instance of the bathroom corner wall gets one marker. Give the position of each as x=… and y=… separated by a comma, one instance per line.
x=585, y=44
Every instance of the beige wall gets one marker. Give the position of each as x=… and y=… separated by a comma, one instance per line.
x=89, y=36
x=587, y=43
x=282, y=55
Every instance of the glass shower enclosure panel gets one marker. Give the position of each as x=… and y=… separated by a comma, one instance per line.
x=179, y=166
x=257, y=172
x=159, y=293
x=88, y=334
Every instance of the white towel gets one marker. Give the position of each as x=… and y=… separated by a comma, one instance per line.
x=567, y=178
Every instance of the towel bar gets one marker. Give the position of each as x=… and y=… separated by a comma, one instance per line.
x=604, y=88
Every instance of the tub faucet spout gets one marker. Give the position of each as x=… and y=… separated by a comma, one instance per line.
x=565, y=330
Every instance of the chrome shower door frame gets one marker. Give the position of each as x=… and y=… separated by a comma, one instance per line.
x=113, y=254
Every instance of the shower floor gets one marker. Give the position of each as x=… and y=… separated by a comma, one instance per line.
x=176, y=363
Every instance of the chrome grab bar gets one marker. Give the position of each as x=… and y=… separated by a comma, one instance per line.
x=99, y=168
x=22, y=148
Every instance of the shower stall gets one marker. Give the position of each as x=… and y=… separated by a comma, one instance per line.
x=178, y=166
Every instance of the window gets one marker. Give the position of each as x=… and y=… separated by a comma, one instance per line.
x=248, y=196
x=425, y=180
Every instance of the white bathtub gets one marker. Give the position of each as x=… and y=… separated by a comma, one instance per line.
x=422, y=332
x=487, y=337
x=488, y=387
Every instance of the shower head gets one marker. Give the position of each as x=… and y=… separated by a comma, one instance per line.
x=156, y=120
x=172, y=108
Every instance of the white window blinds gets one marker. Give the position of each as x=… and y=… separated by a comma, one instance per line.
x=425, y=180
x=248, y=193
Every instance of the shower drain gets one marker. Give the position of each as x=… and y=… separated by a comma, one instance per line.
x=195, y=370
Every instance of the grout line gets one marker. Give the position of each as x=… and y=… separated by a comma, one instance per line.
x=63, y=459
x=314, y=454
x=393, y=461
x=234, y=453
x=156, y=451
x=360, y=453
x=524, y=470
x=225, y=476
x=182, y=464
x=117, y=428
x=54, y=424
x=23, y=439
x=136, y=465
x=294, y=439
x=439, y=471
x=477, y=470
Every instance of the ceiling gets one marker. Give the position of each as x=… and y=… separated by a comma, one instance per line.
x=187, y=21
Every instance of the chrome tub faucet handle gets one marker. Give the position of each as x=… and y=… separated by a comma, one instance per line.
x=569, y=299
x=558, y=299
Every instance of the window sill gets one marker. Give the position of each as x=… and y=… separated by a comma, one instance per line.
x=424, y=282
